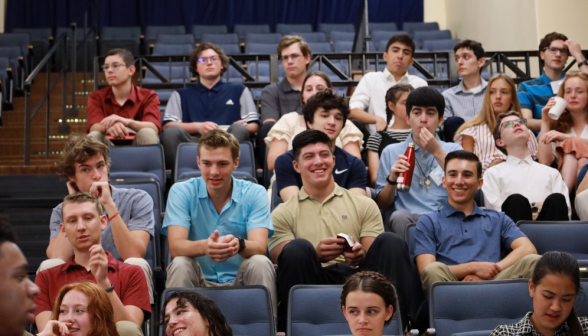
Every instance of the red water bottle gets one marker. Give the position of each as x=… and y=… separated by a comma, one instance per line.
x=404, y=179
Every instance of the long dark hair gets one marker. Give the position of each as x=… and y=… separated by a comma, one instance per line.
x=217, y=323
x=393, y=95
x=563, y=264
x=371, y=282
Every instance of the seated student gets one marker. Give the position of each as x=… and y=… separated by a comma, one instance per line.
x=17, y=292
x=82, y=308
x=368, y=103
x=554, y=50
x=368, y=301
x=522, y=188
x=324, y=112
x=553, y=287
x=581, y=201
x=279, y=139
x=124, y=284
x=424, y=108
x=194, y=314
x=476, y=134
x=122, y=108
x=197, y=109
x=464, y=101
x=569, y=134
x=462, y=241
x=85, y=164
x=305, y=245
x=398, y=132
x=217, y=225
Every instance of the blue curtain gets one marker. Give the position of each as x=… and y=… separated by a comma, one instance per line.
x=60, y=13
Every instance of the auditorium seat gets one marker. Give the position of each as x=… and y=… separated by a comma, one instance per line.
x=385, y=26
x=343, y=46
x=7, y=82
x=265, y=38
x=327, y=28
x=440, y=45
x=275, y=198
x=89, y=44
x=379, y=36
x=567, y=237
x=152, y=32
x=261, y=48
x=17, y=63
x=39, y=38
x=20, y=40
x=120, y=37
x=313, y=37
x=230, y=49
x=413, y=27
x=175, y=39
x=320, y=47
x=291, y=29
x=198, y=30
x=433, y=35
x=337, y=36
x=242, y=30
x=172, y=49
x=219, y=38
x=137, y=164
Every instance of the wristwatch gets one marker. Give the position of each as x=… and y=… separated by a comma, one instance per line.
x=241, y=245
x=584, y=62
x=391, y=182
x=534, y=207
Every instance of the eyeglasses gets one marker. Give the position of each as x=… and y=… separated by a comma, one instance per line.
x=554, y=50
x=293, y=57
x=114, y=66
x=212, y=59
x=513, y=123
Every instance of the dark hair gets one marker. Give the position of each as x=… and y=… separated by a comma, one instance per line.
x=217, y=323
x=472, y=45
x=371, y=282
x=546, y=42
x=402, y=38
x=392, y=95
x=205, y=46
x=7, y=233
x=318, y=74
x=464, y=155
x=496, y=131
x=326, y=100
x=126, y=55
x=78, y=149
x=426, y=96
x=309, y=137
x=563, y=264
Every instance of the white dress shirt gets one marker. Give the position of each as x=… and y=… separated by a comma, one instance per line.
x=370, y=94
x=533, y=180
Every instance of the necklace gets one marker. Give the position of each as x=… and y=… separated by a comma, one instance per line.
x=425, y=178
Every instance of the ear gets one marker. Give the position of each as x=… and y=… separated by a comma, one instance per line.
x=306, y=59
x=389, y=312
x=481, y=62
x=391, y=106
x=132, y=70
x=411, y=60
x=500, y=143
x=344, y=312
x=443, y=181
x=296, y=166
x=531, y=288
x=103, y=222
x=198, y=162
x=236, y=162
x=480, y=183
x=440, y=120
x=62, y=229
x=309, y=125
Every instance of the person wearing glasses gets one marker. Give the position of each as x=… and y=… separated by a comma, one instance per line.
x=123, y=109
x=522, y=188
x=554, y=50
x=212, y=103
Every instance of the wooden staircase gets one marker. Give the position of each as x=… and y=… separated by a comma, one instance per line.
x=12, y=134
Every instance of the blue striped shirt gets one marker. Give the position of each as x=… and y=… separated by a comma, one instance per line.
x=462, y=103
x=534, y=94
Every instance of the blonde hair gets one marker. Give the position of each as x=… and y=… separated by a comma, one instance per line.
x=565, y=123
x=289, y=40
x=82, y=197
x=219, y=138
x=487, y=115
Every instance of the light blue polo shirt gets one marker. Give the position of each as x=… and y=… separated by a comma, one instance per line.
x=188, y=205
x=418, y=200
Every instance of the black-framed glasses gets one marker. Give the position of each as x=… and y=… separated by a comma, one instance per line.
x=562, y=51
x=212, y=59
x=513, y=123
x=114, y=66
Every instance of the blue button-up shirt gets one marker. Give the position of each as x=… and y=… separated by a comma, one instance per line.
x=189, y=206
x=419, y=200
x=454, y=238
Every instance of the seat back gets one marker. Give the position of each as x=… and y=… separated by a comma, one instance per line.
x=120, y=34
x=152, y=32
x=413, y=27
x=432, y=35
x=481, y=305
x=35, y=34
x=175, y=39
x=247, y=308
x=261, y=48
x=558, y=236
x=172, y=49
x=385, y=26
x=198, y=30
x=137, y=163
x=313, y=37
x=383, y=35
x=230, y=49
x=220, y=38
x=440, y=45
x=242, y=30
x=343, y=46
x=327, y=28
x=320, y=47
x=315, y=310
x=20, y=40
x=276, y=199
x=266, y=38
x=342, y=36
x=175, y=73
x=291, y=29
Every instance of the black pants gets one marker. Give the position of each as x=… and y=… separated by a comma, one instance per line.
x=517, y=207
x=450, y=126
x=298, y=264
x=260, y=143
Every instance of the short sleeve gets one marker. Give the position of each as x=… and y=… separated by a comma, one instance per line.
x=95, y=109
x=283, y=129
x=43, y=301
x=151, y=110
x=134, y=290
x=372, y=224
x=173, y=110
x=55, y=221
x=248, y=109
x=351, y=133
x=142, y=213
x=509, y=231
x=270, y=108
x=282, y=219
x=177, y=211
x=285, y=173
x=374, y=142
x=426, y=241
x=259, y=211
x=524, y=97
x=357, y=173
x=470, y=131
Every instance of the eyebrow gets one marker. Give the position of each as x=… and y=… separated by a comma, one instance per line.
x=552, y=293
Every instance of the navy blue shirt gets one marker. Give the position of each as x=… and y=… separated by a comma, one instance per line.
x=349, y=171
x=455, y=239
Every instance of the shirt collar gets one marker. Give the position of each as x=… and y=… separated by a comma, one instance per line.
x=461, y=88
x=286, y=86
x=216, y=88
x=527, y=327
x=449, y=211
x=133, y=97
x=71, y=263
x=548, y=80
x=389, y=75
x=203, y=192
x=515, y=161
x=302, y=195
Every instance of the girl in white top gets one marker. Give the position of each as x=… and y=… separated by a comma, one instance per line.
x=569, y=134
x=279, y=138
x=476, y=134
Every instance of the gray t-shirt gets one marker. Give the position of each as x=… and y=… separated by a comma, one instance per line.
x=135, y=207
x=278, y=99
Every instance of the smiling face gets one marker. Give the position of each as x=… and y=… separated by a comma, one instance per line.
x=184, y=321
x=467, y=64
x=328, y=122
x=122, y=74
x=217, y=166
x=461, y=181
x=576, y=94
x=17, y=292
x=92, y=170
x=211, y=66
x=366, y=313
x=74, y=310
x=315, y=164
x=293, y=61
x=398, y=58
x=313, y=85
x=553, y=300
x=555, y=60
x=82, y=225
x=500, y=96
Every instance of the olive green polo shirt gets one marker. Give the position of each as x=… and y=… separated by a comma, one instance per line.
x=342, y=212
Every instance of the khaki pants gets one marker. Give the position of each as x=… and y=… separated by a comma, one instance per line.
x=145, y=136
x=255, y=270
x=437, y=272
x=128, y=328
x=50, y=263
